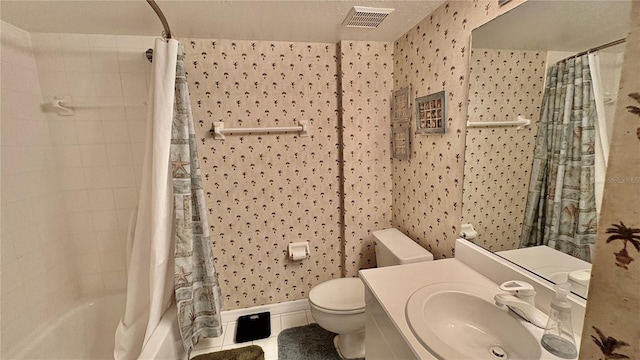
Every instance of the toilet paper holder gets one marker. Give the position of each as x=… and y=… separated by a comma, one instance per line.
x=298, y=251
x=468, y=232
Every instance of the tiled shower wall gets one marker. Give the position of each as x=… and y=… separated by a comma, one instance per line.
x=38, y=278
x=98, y=150
x=503, y=84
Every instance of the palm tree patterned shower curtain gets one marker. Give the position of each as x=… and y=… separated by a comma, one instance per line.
x=197, y=292
x=561, y=209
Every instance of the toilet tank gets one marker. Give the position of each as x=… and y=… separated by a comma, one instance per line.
x=395, y=248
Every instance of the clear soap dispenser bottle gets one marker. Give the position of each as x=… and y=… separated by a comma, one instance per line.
x=558, y=334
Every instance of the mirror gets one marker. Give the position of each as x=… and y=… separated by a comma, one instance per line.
x=509, y=60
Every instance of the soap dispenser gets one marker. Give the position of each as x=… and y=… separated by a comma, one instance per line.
x=558, y=334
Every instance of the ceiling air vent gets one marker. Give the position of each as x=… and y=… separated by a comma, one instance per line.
x=366, y=17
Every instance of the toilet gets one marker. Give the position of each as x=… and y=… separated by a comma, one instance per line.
x=338, y=305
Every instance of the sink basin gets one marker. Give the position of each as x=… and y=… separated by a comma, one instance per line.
x=461, y=321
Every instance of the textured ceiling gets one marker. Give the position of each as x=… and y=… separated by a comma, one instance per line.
x=556, y=25
x=300, y=20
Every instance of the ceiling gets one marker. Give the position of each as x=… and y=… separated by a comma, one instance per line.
x=284, y=20
x=556, y=25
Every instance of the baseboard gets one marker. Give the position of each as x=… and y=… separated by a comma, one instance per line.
x=275, y=309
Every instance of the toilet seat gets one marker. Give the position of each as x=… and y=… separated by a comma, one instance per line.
x=339, y=296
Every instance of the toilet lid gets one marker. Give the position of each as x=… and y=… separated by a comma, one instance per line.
x=338, y=294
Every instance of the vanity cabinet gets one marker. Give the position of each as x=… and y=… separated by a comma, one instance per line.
x=382, y=340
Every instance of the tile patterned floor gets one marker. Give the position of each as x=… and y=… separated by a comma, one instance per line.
x=279, y=322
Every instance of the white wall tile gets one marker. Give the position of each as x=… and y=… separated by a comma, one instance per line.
x=77, y=61
x=94, y=155
x=97, y=177
x=89, y=263
x=30, y=191
x=137, y=130
x=115, y=281
x=107, y=84
x=31, y=266
x=10, y=275
x=110, y=241
x=119, y=154
x=112, y=113
x=72, y=179
x=82, y=243
x=133, y=60
x=50, y=61
x=68, y=156
x=124, y=220
x=125, y=198
x=45, y=43
x=9, y=156
x=136, y=108
x=134, y=84
x=137, y=153
x=293, y=319
x=122, y=176
x=74, y=41
x=63, y=163
x=89, y=132
x=54, y=84
x=34, y=286
x=12, y=109
x=86, y=109
x=81, y=84
x=104, y=60
x=101, y=199
x=13, y=307
x=129, y=42
x=63, y=132
x=137, y=169
x=116, y=132
x=148, y=42
x=102, y=41
x=112, y=261
x=105, y=220
x=80, y=223
x=92, y=283
x=53, y=255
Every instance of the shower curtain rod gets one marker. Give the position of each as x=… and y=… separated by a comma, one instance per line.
x=600, y=47
x=167, y=31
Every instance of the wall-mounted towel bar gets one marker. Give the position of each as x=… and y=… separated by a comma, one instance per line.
x=520, y=123
x=64, y=105
x=218, y=131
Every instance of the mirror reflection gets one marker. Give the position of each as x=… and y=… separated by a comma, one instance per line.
x=543, y=82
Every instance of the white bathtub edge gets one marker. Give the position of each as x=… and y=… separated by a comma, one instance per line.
x=43, y=331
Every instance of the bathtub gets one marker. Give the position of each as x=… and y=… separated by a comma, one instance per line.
x=165, y=342
x=84, y=332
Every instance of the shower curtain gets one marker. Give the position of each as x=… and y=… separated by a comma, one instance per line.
x=198, y=295
x=168, y=250
x=150, y=242
x=561, y=210
x=602, y=138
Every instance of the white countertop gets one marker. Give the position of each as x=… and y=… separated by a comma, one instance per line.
x=393, y=294
x=392, y=286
